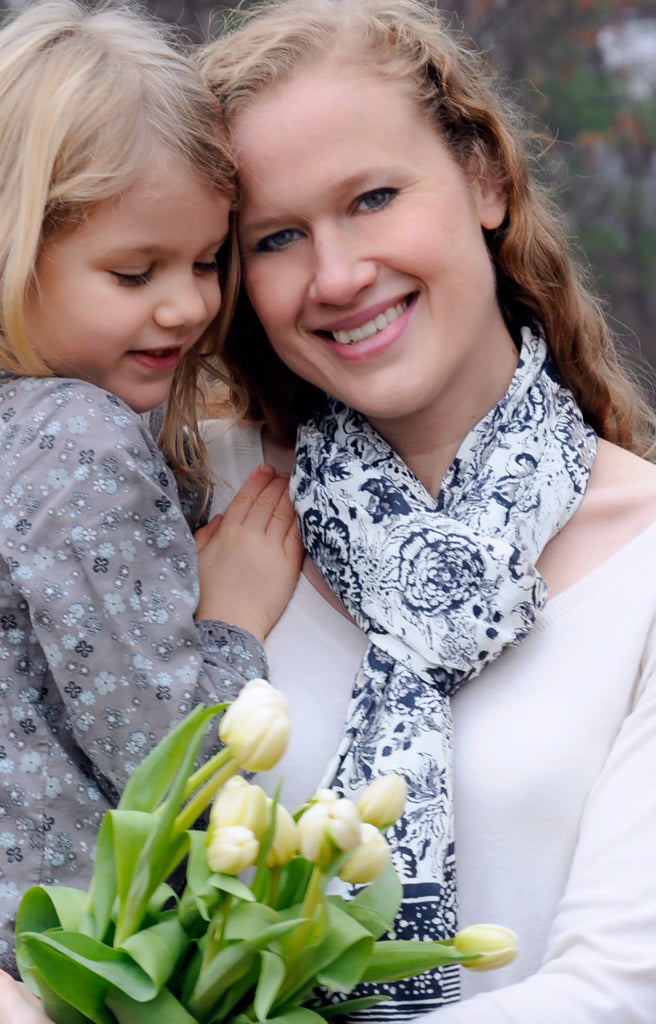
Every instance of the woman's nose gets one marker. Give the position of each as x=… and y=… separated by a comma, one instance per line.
x=340, y=273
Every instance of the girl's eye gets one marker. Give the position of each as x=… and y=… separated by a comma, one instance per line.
x=376, y=199
x=211, y=267
x=278, y=240
x=132, y=280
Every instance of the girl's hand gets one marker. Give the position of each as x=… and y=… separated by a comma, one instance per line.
x=249, y=558
x=18, y=1005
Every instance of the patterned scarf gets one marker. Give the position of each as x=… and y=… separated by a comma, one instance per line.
x=440, y=586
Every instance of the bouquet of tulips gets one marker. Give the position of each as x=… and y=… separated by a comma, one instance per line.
x=133, y=950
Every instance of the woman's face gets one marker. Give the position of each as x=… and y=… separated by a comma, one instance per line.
x=363, y=252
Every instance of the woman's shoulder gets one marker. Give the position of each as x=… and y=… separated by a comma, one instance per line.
x=619, y=504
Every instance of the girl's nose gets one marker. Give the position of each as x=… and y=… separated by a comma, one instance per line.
x=186, y=303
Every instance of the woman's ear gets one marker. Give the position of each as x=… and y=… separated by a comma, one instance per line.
x=488, y=190
x=490, y=199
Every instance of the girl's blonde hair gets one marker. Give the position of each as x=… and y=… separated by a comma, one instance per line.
x=87, y=98
x=538, y=280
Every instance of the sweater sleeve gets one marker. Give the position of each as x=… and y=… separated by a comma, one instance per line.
x=600, y=964
x=101, y=580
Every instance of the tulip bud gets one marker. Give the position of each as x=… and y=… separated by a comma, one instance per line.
x=496, y=944
x=255, y=728
x=369, y=859
x=284, y=844
x=329, y=826
x=231, y=849
x=383, y=800
x=239, y=803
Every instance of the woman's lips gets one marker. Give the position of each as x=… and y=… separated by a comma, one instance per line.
x=375, y=322
x=374, y=335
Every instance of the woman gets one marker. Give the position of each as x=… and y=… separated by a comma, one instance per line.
x=399, y=258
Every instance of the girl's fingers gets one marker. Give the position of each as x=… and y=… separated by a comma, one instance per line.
x=203, y=534
x=249, y=493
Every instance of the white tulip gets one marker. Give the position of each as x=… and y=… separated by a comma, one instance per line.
x=369, y=859
x=255, y=728
x=231, y=849
x=383, y=800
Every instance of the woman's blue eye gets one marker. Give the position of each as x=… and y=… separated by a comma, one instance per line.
x=377, y=198
x=132, y=280
x=278, y=240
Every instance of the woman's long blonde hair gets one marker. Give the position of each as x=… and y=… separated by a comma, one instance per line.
x=86, y=98
x=538, y=279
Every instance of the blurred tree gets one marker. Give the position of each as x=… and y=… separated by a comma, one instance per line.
x=587, y=69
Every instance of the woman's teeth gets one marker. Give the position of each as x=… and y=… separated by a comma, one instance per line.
x=372, y=326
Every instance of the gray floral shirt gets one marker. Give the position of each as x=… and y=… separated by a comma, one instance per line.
x=99, y=651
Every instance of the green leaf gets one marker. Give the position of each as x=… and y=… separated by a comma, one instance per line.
x=297, y=1015
x=167, y=767
x=234, y=961
x=64, y=983
x=349, y=1006
x=294, y=878
x=44, y=907
x=337, y=961
x=198, y=870
x=345, y=952
x=378, y=902
x=223, y=970
x=272, y=975
x=367, y=917
x=50, y=906
x=239, y=993
x=158, y=949
x=232, y=885
x=394, y=959
x=250, y=920
x=57, y=1008
x=70, y=957
x=149, y=783
x=103, y=888
x=163, y=1009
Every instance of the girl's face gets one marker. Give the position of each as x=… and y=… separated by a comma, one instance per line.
x=363, y=252
x=127, y=293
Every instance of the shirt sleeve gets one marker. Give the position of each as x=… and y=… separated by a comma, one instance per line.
x=101, y=573
x=600, y=965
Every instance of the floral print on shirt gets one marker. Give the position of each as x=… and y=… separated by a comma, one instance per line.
x=99, y=650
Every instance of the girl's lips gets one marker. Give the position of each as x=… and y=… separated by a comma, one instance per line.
x=158, y=358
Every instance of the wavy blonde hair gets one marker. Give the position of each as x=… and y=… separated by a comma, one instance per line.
x=85, y=98
x=539, y=280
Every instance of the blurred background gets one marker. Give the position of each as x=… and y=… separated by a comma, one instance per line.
x=587, y=70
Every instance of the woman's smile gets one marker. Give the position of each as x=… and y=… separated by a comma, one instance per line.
x=377, y=322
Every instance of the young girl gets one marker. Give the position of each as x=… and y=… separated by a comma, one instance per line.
x=115, y=190
x=467, y=439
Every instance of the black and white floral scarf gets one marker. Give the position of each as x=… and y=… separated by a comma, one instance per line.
x=440, y=586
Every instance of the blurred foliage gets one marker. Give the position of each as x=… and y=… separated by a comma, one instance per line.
x=598, y=124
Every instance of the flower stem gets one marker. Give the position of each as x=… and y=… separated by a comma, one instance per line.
x=203, y=773
x=313, y=898
x=200, y=800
